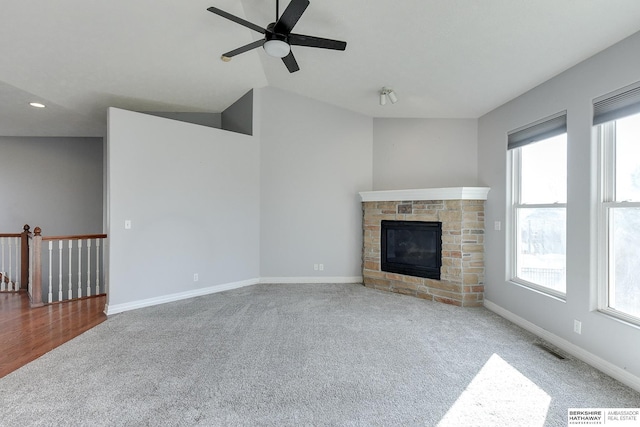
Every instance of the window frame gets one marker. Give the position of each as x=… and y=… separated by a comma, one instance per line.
x=514, y=191
x=605, y=134
x=515, y=205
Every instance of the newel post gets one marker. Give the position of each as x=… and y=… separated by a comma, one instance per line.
x=36, y=287
x=24, y=257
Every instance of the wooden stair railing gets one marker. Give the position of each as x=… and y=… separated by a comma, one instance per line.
x=67, y=262
x=23, y=253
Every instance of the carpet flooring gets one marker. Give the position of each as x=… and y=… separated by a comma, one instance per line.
x=289, y=355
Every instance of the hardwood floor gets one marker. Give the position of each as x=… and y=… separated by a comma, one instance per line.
x=27, y=333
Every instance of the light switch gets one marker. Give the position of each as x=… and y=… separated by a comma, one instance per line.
x=127, y=224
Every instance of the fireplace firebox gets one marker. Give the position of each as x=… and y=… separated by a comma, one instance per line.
x=413, y=248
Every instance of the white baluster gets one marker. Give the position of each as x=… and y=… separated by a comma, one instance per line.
x=16, y=283
x=30, y=267
x=59, y=270
x=79, y=268
x=50, y=272
x=88, y=267
x=97, y=266
x=10, y=265
x=2, y=270
x=70, y=274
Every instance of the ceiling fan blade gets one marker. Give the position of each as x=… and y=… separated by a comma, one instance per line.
x=311, y=41
x=243, y=49
x=237, y=20
x=291, y=63
x=290, y=17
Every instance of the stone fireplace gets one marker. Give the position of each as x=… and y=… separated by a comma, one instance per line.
x=460, y=210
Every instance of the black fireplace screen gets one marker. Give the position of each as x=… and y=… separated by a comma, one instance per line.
x=413, y=248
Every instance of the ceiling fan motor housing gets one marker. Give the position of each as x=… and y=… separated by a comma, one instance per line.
x=275, y=44
x=269, y=34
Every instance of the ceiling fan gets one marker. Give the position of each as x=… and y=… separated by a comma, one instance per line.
x=278, y=37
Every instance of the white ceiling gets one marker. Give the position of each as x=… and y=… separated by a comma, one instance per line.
x=444, y=58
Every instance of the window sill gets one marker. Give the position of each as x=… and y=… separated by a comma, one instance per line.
x=558, y=296
x=618, y=316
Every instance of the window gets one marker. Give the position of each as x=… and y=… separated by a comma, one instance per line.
x=538, y=205
x=617, y=121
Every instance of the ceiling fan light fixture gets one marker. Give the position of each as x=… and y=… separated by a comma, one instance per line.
x=277, y=36
x=277, y=48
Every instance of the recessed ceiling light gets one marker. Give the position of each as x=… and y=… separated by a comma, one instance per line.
x=37, y=104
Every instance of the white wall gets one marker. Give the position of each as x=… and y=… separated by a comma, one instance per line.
x=192, y=194
x=52, y=183
x=574, y=91
x=315, y=158
x=424, y=153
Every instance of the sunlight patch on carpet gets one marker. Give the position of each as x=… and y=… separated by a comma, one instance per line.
x=499, y=395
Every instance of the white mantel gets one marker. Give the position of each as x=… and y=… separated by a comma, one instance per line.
x=449, y=193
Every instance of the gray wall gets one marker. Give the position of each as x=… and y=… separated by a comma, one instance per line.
x=574, y=91
x=213, y=120
x=314, y=158
x=424, y=153
x=238, y=117
x=53, y=183
x=192, y=194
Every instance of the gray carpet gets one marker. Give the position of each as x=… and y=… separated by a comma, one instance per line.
x=277, y=355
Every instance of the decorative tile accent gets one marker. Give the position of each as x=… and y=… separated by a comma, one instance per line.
x=404, y=209
x=462, y=271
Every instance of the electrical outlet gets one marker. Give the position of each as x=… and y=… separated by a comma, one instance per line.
x=315, y=267
x=195, y=277
x=577, y=327
x=497, y=225
x=321, y=267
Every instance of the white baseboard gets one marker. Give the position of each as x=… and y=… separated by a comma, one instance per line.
x=133, y=305
x=597, y=362
x=304, y=280
x=119, y=308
